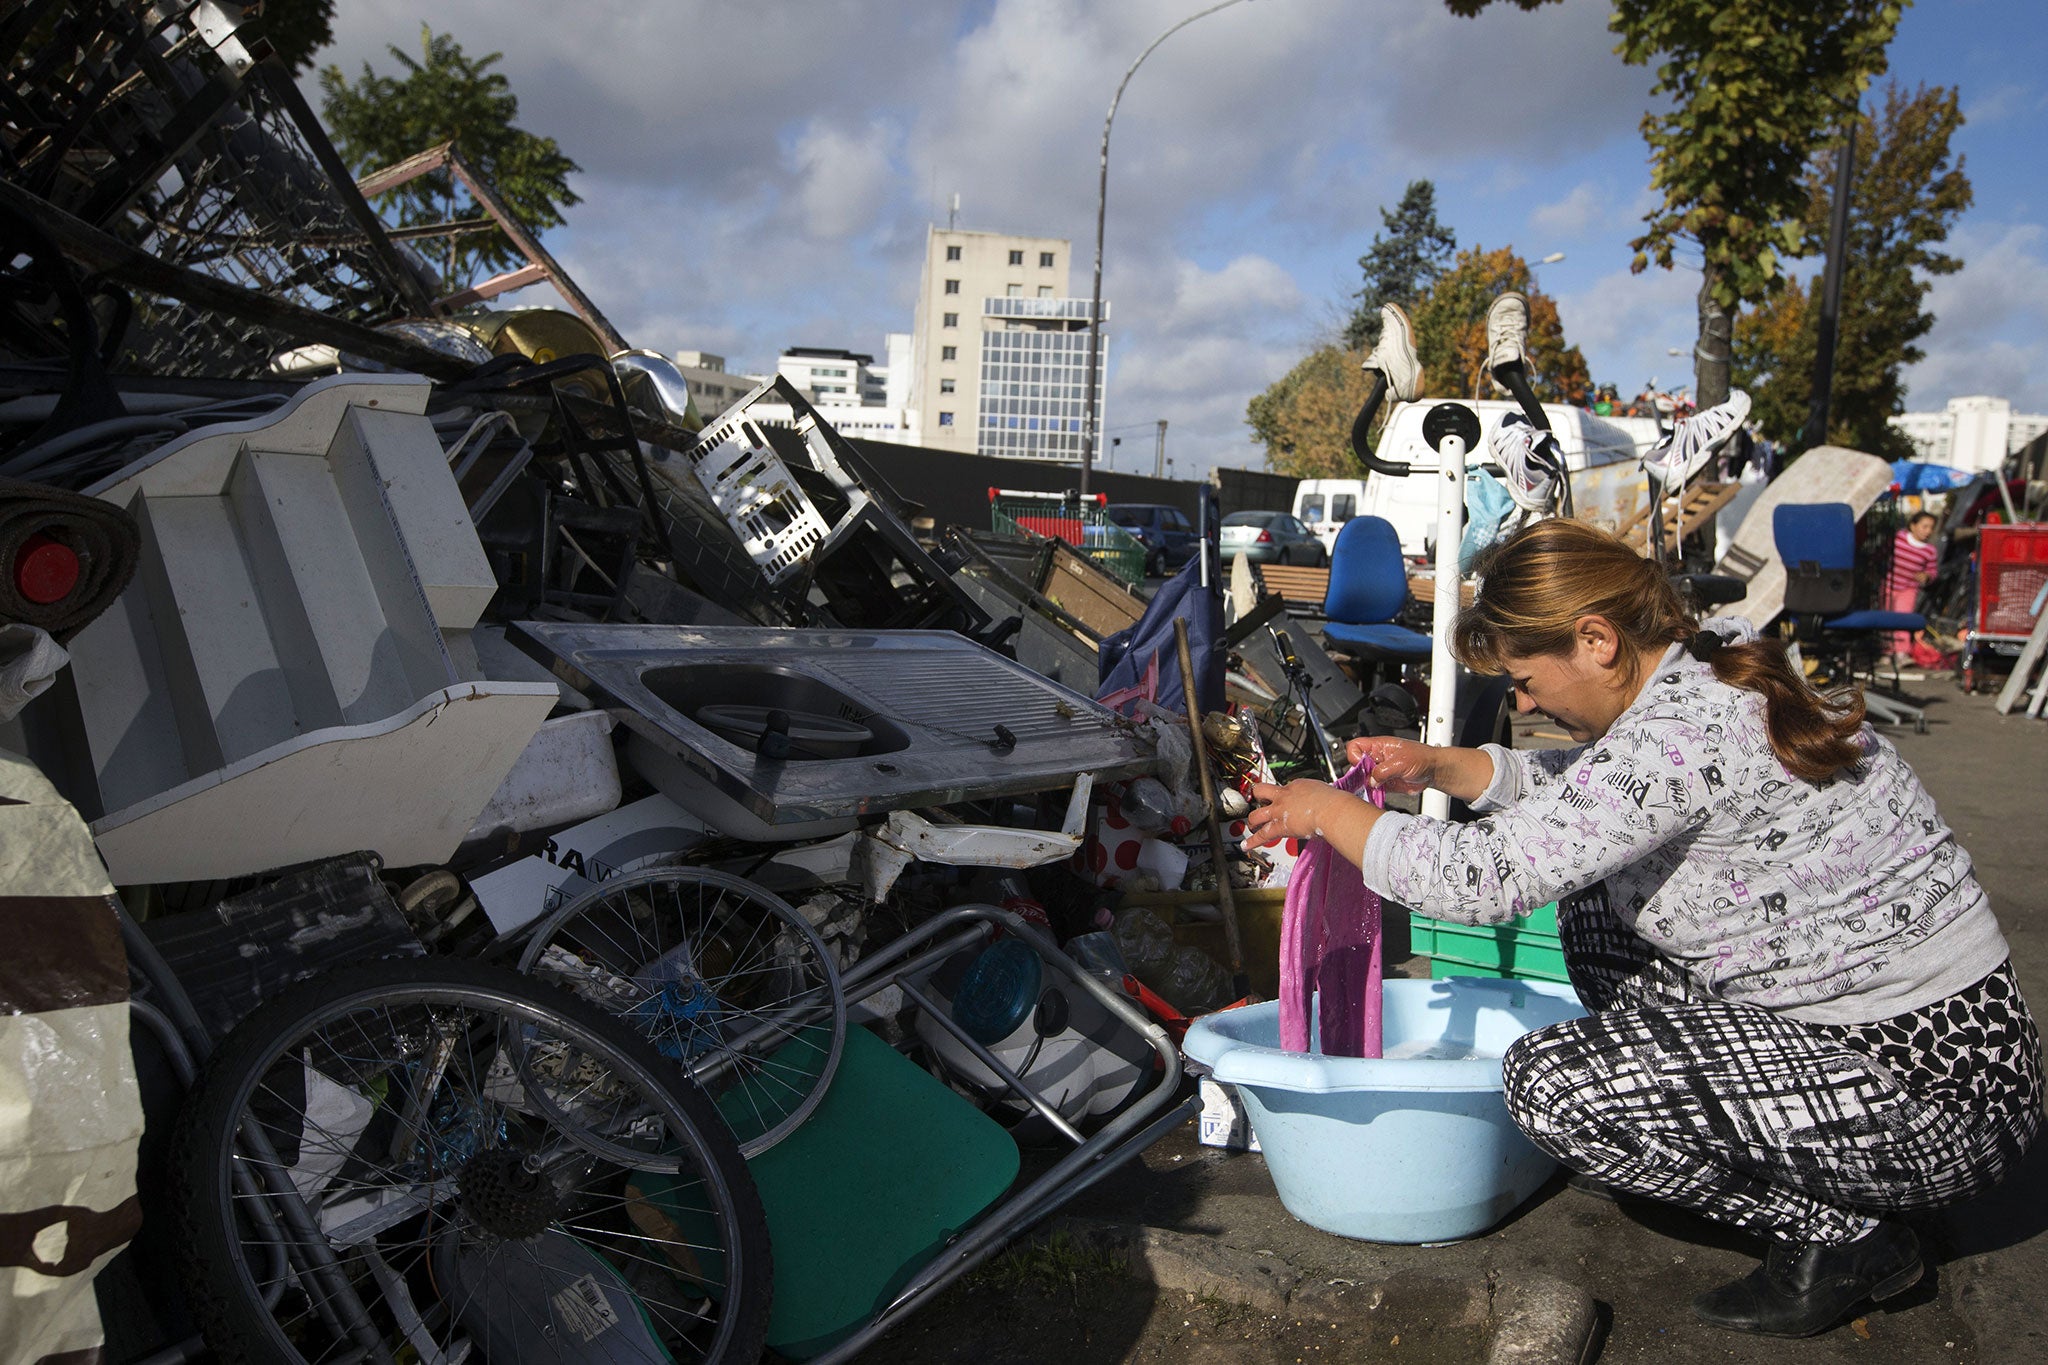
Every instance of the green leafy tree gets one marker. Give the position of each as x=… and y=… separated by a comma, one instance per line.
x=1907, y=194
x=1754, y=88
x=1450, y=331
x=1402, y=261
x=296, y=29
x=448, y=96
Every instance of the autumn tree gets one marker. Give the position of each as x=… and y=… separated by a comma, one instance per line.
x=1907, y=194
x=1402, y=262
x=1304, y=420
x=1450, y=331
x=1753, y=90
x=448, y=96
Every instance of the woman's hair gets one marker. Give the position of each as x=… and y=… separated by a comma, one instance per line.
x=1536, y=585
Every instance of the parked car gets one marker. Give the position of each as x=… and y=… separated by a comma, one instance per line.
x=1270, y=538
x=1168, y=536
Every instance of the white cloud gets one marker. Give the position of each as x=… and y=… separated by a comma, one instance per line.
x=845, y=177
x=1625, y=324
x=1990, y=330
x=1570, y=216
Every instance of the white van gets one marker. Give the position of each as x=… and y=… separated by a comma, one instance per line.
x=1600, y=459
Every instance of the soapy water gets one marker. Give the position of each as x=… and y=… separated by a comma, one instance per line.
x=1436, y=1050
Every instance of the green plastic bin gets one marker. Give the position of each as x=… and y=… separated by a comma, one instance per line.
x=1525, y=951
x=1082, y=524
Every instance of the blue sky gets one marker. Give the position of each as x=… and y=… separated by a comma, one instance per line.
x=760, y=175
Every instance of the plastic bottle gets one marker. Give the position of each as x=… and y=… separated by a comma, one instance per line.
x=1146, y=943
x=1148, y=805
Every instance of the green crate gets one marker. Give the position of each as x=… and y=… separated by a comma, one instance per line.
x=1526, y=951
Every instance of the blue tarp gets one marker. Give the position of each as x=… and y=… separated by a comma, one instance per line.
x=1918, y=476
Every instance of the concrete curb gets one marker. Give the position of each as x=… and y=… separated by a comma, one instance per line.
x=1534, y=1321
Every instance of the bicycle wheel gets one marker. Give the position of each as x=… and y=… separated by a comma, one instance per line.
x=438, y=1161
x=722, y=976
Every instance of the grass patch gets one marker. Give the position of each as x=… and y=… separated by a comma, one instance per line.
x=1061, y=1263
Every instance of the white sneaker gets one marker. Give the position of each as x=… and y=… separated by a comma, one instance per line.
x=1507, y=332
x=1693, y=441
x=1530, y=459
x=1395, y=356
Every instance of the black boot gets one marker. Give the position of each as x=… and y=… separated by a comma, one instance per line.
x=1801, y=1290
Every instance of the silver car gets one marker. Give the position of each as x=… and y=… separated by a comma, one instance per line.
x=1270, y=538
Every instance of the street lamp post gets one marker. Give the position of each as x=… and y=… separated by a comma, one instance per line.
x=1101, y=211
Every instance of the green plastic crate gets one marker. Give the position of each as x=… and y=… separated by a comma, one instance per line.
x=1526, y=951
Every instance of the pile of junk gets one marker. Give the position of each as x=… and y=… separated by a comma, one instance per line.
x=501, y=868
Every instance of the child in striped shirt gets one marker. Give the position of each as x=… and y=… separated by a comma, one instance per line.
x=1913, y=562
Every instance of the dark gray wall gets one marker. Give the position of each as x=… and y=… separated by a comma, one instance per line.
x=952, y=488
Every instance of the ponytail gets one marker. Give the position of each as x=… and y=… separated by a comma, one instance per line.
x=1537, y=583
x=1813, y=734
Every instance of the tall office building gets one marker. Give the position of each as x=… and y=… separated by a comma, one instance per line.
x=999, y=350
x=1970, y=433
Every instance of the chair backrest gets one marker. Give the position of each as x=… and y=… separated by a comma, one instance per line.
x=1368, y=576
x=1817, y=543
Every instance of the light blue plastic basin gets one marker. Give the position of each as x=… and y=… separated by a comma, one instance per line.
x=1393, y=1149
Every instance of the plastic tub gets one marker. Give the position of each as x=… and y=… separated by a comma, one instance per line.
x=1413, y=1147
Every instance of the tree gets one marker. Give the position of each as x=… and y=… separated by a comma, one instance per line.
x=1906, y=196
x=296, y=29
x=1755, y=88
x=1401, y=263
x=1450, y=331
x=1304, y=420
x=448, y=96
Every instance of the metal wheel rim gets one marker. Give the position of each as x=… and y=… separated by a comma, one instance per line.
x=442, y=1215
x=780, y=1095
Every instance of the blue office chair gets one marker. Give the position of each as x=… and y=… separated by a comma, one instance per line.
x=1817, y=543
x=1368, y=589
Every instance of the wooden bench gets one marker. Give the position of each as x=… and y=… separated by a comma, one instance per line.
x=1303, y=590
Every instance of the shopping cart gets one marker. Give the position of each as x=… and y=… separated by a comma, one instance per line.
x=2012, y=570
x=1079, y=521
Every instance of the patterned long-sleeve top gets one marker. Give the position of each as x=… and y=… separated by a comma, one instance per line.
x=1846, y=901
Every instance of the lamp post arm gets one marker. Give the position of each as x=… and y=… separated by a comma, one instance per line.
x=1101, y=212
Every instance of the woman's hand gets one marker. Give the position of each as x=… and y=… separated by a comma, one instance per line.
x=1398, y=765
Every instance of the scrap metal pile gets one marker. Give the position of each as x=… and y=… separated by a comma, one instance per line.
x=361, y=623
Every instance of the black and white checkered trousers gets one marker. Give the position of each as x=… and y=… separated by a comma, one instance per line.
x=1792, y=1130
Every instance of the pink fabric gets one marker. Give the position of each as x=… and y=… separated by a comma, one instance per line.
x=1330, y=942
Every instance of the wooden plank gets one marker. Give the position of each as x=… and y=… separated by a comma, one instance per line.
x=1700, y=502
x=1098, y=599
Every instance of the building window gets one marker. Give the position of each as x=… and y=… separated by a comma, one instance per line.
x=952, y=253
x=1045, y=291
x=945, y=386
x=952, y=286
x=1014, y=291
x=949, y=352
x=1016, y=258
x=945, y=419
x=950, y=320
x=1045, y=260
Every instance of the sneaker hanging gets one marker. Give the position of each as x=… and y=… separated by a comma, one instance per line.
x=1395, y=355
x=1531, y=461
x=1693, y=441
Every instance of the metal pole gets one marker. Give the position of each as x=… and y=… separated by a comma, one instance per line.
x=1101, y=211
x=1443, y=669
x=1159, y=453
x=1831, y=293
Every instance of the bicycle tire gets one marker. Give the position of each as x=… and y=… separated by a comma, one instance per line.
x=748, y=958
x=468, y=1075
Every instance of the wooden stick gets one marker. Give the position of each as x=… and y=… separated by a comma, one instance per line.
x=1231, y=943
